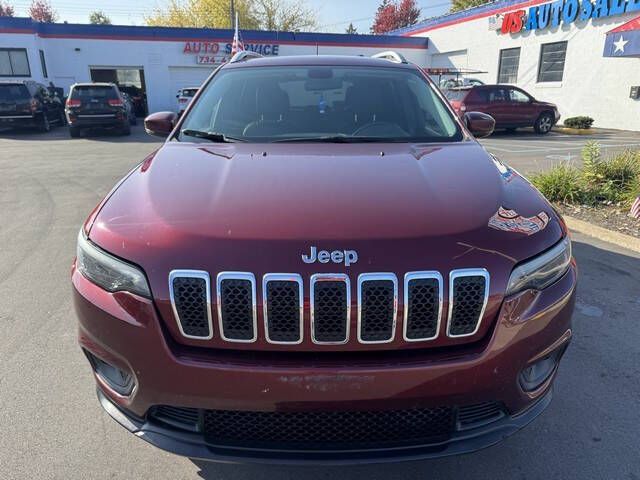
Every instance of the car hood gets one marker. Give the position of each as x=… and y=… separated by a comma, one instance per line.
x=258, y=208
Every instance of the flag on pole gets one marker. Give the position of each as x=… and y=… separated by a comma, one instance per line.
x=236, y=45
x=635, y=208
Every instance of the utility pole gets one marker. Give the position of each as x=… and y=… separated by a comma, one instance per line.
x=233, y=14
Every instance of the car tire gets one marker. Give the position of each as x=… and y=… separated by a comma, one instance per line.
x=134, y=120
x=74, y=132
x=126, y=130
x=544, y=123
x=45, y=126
x=63, y=119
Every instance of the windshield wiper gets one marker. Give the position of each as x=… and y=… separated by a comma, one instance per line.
x=213, y=136
x=333, y=139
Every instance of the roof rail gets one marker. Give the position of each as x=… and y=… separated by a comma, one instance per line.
x=244, y=55
x=392, y=56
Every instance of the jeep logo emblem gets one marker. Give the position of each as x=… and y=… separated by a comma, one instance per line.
x=337, y=256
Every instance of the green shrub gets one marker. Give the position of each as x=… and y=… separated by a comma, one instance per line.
x=560, y=184
x=578, y=122
x=610, y=180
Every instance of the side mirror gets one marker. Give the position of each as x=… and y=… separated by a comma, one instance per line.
x=479, y=124
x=160, y=124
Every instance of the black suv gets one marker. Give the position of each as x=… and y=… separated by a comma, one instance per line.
x=25, y=103
x=96, y=105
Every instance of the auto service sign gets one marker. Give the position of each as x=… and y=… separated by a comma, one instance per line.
x=553, y=14
x=212, y=53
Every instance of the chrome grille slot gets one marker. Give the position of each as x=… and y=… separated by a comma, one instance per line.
x=377, y=307
x=283, y=306
x=190, y=295
x=236, y=296
x=468, y=296
x=422, y=305
x=330, y=298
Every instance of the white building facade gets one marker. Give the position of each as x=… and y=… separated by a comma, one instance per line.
x=582, y=55
x=160, y=60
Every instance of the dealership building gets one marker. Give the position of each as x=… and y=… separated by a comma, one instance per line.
x=582, y=55
x=160, y=60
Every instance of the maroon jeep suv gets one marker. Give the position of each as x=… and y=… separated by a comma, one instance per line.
x=321, y=264
x=511, y=107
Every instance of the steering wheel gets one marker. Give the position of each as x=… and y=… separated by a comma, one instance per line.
x=385, y=128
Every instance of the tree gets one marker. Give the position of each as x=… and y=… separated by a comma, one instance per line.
x=285, y=15
x=392, y=15
x=42, y=11
x=6, y=10
x=202, y=13
x=457, y=5
x=351, y=30
x=99, y=18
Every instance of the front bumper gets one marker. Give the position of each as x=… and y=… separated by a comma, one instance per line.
x=20, y=121
x=193, y=446
x=126, y=331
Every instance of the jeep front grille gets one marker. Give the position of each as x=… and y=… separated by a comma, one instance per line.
x=330, y=298
x=191, y=300
x=422, y=305
x=468, y=296
x=237, y=306
x=330, y=318
x=283, y=308
x=378, y=301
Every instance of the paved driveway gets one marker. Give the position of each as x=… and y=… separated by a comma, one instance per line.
x=51, y=426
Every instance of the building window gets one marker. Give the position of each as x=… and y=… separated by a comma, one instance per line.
x=508, y=66
x=551, y=65
x=14, y=62
x=43, y=64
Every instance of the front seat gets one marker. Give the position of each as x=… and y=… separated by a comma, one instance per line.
x=272, y=109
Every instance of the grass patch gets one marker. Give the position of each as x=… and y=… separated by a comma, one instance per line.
x=613, y=180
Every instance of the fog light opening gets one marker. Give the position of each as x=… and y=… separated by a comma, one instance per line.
x=533, y=376
x=118, y=380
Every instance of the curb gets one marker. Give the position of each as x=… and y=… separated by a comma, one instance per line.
x=577, y=131
x=619, y=239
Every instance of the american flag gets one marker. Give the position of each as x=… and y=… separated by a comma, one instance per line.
x=635, y=208
x=236, y=45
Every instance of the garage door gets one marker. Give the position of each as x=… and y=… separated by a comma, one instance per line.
x=454, y=59
x=181, y=77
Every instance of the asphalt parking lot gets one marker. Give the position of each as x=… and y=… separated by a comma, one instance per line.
x=529, y=152
x=52, y=426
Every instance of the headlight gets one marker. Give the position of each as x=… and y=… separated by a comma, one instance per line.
x=543, y=270
x=107, y=271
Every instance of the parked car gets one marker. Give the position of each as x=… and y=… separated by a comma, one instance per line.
x=322, y=265
x=28, y=104
x=138, y=97
x=128, y=103
x=184, y=96
x=510, y=106
x=96, y=105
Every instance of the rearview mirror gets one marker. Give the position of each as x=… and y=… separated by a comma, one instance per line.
x=160, y=124
x=479, y=124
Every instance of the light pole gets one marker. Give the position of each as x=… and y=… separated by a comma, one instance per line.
x=233, y=14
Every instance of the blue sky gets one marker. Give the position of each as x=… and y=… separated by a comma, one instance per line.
x=333, y=15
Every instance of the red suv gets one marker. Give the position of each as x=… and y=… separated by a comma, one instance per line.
x=511, y=107
x=321, y=264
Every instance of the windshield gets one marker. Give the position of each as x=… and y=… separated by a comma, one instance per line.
x=94, y=91
x=266, y=104
x=10, y=93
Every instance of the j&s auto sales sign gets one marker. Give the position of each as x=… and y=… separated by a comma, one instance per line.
x=550, y=15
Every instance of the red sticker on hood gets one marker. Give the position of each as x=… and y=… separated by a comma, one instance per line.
x=511, y=221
